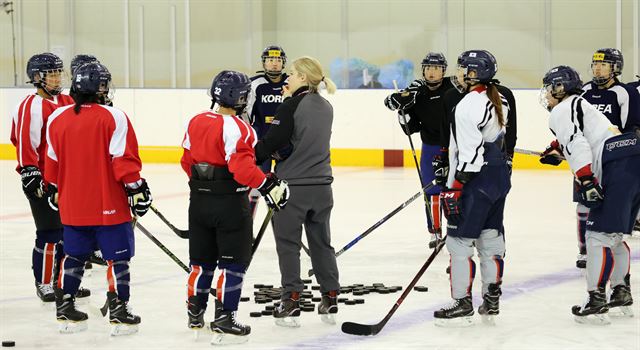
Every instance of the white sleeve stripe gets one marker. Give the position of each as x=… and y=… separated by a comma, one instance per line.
x=36, y=123
x=118, y=141
x=50, y=151
x=21, y=116
x=230, y=135
x=623, y=101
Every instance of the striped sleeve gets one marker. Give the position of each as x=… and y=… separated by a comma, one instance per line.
x=239, y=142
x=123, y=148
x=28, y=124
x=567, y=123
x=470, y=119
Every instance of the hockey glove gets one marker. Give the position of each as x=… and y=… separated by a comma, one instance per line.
x=139, y=197
x=552, y=155
x=400, y=100
x=403, y=118
x=32, y=183
x=440, y=165
x=274, y=191
x=510, y=162
x=587, y=186
x=417, y=85
x=451, y=204
x=52, y=196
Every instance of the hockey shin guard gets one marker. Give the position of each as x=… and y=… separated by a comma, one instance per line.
x=118, y=278
x=622, y=258
x=491, y=249
x=71, y=273
x=44, y=255
x=599, y=267
x=199, y=282
x=229, y=284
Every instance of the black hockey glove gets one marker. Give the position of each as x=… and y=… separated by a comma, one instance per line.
x=451, y=203
x=400, y=100
x=590, y=192
x=440, y=164
x=52, y=196
x=275, y=192
x=417, y=85
x=139, y=197
x=552, y=155
x=32, y=183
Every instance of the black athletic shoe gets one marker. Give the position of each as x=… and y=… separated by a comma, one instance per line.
x=83, y=293
x=491, y=300
x=329, y=303
x=596, y=304
x=459, y=308
x=195, y=313
x=621, y=294
x=66, y=308
x=288, y=307
x=120, y=311
x=45, y=292
x=228, y=324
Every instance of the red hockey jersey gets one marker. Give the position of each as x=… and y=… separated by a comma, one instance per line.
x=28, y=127
x=222, y=140
x=90, y=156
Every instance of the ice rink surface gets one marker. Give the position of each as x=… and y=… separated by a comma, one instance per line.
x=540, y=284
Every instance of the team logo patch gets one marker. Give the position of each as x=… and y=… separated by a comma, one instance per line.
x=598, y=56
x=622, y=143
x=274, y=53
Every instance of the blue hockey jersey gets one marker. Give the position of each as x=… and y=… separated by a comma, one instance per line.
x=620, y=103
x=264, y=99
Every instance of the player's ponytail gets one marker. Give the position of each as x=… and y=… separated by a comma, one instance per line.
x=81, y=99
x=494, y=97
x=313, y=69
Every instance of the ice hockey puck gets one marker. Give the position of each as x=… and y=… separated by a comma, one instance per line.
x=266, y=312
x=359, y=301
x=308, y=308
x=255, y=314
x=421, y=288
x=378, y=284
x=269, y=307
x=396, y=288
x=315, y=287
x=358, y=292
x=8, y=343
x=307, y=281
x=316, y=299
x=258, y=286
x=448, y=270
x=245, y=298
x=350, y=302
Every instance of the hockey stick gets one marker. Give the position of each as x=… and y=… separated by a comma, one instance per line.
x=380, y=222
x=526, y=151
x=263, y=228
x=184, y=234
x=364, y=329
x=405, y=128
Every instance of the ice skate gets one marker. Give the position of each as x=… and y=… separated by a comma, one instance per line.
x=594, y=310
x=45, y=292
x=328, y=307
x=82, y=296
x=195, y=316
x=581, y=260
x=123, y=321
x=227, y=330
x=71, y=320
x=490, y=304
x=620, y=300
x=435, y=238
x=96, y=258
x=458, y=314
x=287, y=314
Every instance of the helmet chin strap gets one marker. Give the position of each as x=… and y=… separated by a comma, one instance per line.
x=272, y=74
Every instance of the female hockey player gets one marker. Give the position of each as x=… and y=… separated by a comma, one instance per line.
x=303, y=122
x=28, y=132
x=478, y=183
x=606, y=165
x=92, y=158
x=220, y=161
x=420, y=109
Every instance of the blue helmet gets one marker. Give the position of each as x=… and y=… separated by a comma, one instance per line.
x=41, y=64
x=434, y=59
x=480, y=61
x=91, y=79
x=611, y=56
x=562, y=80
x=81, y=59
x=230, y=89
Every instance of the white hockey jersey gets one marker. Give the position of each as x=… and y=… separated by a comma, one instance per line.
x=475, y=123
x=581, y=131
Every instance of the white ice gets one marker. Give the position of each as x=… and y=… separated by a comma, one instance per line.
x=541, y=282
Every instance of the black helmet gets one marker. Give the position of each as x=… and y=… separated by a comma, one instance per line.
x=91, y=79
x=273, y=51
x=611, y=56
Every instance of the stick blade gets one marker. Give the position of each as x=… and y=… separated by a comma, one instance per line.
x=359, y=329
x=184, y=234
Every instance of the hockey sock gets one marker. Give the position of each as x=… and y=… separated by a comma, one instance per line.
x=71, y=273
x=436, y=214
x=229, y=284
x=622, y=258
x=582, y=228
x=118, y=278
x=44, y=254
x=199, y=282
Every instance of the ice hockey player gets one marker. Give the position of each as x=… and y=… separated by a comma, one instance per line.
x=606, y=166
x=264, y=99
x=94, y=146
x=220, y=161
x=28, y=132
x=477, y=186
x=420, y=109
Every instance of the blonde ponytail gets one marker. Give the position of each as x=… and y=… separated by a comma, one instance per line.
x=315, y=76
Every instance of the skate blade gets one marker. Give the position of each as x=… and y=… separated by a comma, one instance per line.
x=489, y=320
x=458, y=322
x=595, y=319
x=118, y=329
x=328, y=318
x=291, y=322
x=225, y=339
x=621, y=311
x=69, y=327
x=196, y=332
